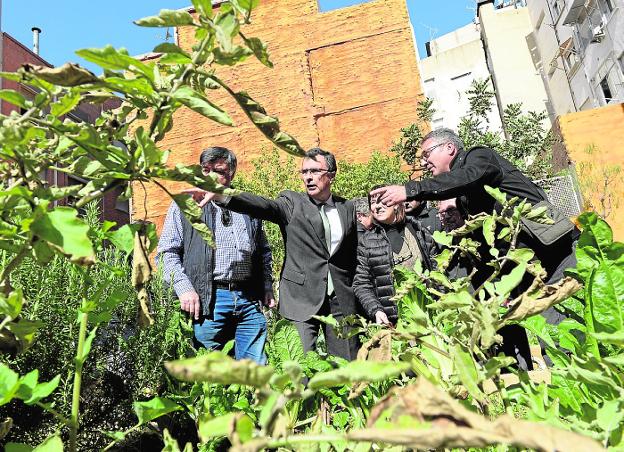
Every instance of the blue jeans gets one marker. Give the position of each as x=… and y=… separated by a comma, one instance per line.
x=234, y=316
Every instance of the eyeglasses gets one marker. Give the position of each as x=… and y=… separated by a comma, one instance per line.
x=427, y=152
x=209, y=169
x=313, y=171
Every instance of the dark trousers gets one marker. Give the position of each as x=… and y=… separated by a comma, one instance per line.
x=309, y=330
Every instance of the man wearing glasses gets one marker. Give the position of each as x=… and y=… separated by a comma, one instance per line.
x=320, y=236
x=221, y=288
x=464, y=174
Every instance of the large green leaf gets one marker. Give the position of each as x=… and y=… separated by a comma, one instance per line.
x=123, y=238
x=154, y=408
x=260, y=50
x=538, y=326
x=166, y=18
x=193, y=214
x=226, y=27
x=215, y=427
x=13, y=97
x=203, y=7
x=489, y=228
x=510, y=281
x=66, y=233
x=245, y=6
x=268, y=125
x=11, y=306
x=467, y=371
x=197, y=102
x=9, y=384
x=286, y=342
x=358, y=371
x=66, y=103
x=596, y=232
x=607, y=293
x=217, y=367
x=31, y=391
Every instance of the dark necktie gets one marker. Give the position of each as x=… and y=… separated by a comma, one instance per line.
x=327, y=229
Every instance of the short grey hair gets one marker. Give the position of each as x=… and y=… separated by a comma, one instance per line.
x=444, y=135
x=214, y=153
x=361, y=205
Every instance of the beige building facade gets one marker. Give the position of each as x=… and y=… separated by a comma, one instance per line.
x=504, y=32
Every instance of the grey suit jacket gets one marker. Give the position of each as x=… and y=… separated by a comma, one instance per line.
x=303, y=282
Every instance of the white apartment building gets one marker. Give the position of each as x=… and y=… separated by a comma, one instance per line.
x=579, y=51
x=454, y=61
x=495, y=47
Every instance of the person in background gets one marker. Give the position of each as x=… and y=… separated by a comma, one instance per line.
x=363, y=214
x=221, y=288
x=427, y=216
x=394, y=239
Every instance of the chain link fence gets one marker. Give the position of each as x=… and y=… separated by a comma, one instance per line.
x=562, y=193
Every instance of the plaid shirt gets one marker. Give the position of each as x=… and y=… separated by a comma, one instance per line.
x=232, y=255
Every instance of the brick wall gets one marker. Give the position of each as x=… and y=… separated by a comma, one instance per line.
x=346, y=80
x=602, y=129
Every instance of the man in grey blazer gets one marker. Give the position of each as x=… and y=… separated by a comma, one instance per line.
x=320, y=236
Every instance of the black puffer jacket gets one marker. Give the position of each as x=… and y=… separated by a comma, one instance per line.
x=373, y=284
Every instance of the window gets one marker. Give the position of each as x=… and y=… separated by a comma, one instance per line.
x=606, y=89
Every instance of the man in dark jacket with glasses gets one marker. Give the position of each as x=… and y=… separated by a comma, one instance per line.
x=464, y=174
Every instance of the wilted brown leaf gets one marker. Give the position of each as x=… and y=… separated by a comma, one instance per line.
x=68, y=74
x=141, y=274
x=378, y=348
x=534, y=302
x=447, y=424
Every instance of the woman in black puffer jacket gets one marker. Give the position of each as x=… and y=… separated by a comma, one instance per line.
x=393, y=240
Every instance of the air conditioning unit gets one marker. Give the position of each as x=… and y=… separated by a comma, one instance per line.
x=598, y=33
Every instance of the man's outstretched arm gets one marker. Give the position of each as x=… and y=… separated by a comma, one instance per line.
x=274, y=210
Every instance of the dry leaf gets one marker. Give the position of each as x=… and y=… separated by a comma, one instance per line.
x=531, y=303
x=447, y=424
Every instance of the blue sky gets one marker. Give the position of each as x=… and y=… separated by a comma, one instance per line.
x=69, y=25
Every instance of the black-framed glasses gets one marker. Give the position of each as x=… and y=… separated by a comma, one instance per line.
x=427, y=152
x=226, y=217
x=209, y=169
x=313, y=171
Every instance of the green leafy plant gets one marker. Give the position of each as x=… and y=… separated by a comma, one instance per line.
x=119, y=150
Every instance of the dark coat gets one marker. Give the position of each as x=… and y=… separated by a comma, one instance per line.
x=427, y=216
x=303, y=282
x=470, y=172
x=374, y=284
